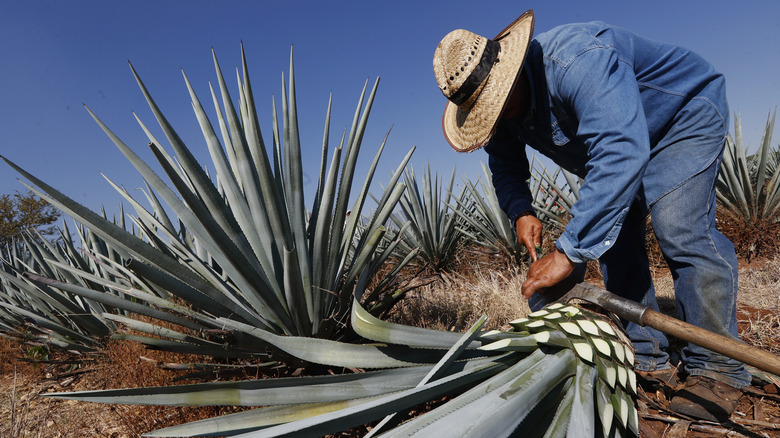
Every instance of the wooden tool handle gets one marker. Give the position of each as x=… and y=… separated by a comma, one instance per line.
x=718, y=343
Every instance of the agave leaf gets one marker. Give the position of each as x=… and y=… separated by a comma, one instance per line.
x=157, y=207
x=323, y=166
x=583, y=416
x=559, y=425
x=207, y=299
x=763, y=152
x=296, y=293
x=497, y=406
x=374, y=234
x=234, y=304
x=385, y=206
x=226, y=141
x=481, y=212
x=255, y=419
x=118, y=236
x=278, y=391
x=766, y=140
x=347, y=174
x=253, y=163
x=52, y=325
x=256, y=227
x=433, y=220
x=154, y=300
x=115, y=301
x=59, y=303
x=743, y=172
x=370, y=327
x=320, y=248
x=333, y=353
x=441, y=367
x=187, y=347
x=157, y=330
x=735, y=190
x=257, y=287
x=353, y=416
x=350, y=410
x=296, y=208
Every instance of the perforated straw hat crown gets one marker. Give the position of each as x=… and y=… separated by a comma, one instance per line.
x=477, y=75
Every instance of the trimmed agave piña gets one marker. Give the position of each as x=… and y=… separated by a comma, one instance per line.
x=246, y=247
x=562, y=371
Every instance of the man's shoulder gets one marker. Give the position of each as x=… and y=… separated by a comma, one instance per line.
x=568, y=40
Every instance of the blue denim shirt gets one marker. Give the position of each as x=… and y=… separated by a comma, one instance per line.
x=602, y=101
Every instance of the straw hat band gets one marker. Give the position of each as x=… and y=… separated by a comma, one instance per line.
x=478, y=75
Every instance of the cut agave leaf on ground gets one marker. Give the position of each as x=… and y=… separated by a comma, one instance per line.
x=552, y=384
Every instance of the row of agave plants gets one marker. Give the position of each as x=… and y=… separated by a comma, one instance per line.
x=239, y=266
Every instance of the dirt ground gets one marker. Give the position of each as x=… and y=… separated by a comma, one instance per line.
x=26, y=413
x=758, y=411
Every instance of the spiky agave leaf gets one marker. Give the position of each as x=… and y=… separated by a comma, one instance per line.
x=430, y=217
x=246, y=247
x=747, y=186
x=563, y=369
x=40, y=313
x=553, y=198
x=485, y=222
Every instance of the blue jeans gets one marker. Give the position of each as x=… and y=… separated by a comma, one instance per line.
x=704, y=268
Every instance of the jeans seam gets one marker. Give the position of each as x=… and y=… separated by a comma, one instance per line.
x=724, y=126
x=734, y=284
x=703, y=169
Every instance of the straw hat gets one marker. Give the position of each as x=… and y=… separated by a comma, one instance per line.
x=477, y=75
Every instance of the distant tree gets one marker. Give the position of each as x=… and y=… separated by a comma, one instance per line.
x=20, y=212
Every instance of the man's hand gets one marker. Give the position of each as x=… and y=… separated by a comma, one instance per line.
x=548, y=271
x=529, y=233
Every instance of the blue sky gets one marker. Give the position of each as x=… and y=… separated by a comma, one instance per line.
x=57, y=56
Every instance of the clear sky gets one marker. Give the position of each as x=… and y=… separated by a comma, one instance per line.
x=58, y=55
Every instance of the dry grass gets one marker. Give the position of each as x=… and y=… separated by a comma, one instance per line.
x=759, y=284
x=759, y=320
x=455, y=301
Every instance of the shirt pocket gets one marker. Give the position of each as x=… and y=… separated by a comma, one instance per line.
x=559, y=135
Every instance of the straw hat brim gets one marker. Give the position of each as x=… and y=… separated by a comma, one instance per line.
x=471, y=125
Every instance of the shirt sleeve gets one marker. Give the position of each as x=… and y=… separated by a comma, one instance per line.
x=603, y=93
x=510, y=173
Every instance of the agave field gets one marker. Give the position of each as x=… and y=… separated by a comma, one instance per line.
x=239, y=272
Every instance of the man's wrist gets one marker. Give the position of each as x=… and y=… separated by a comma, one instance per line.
x=522, y=214
x=560, y=250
